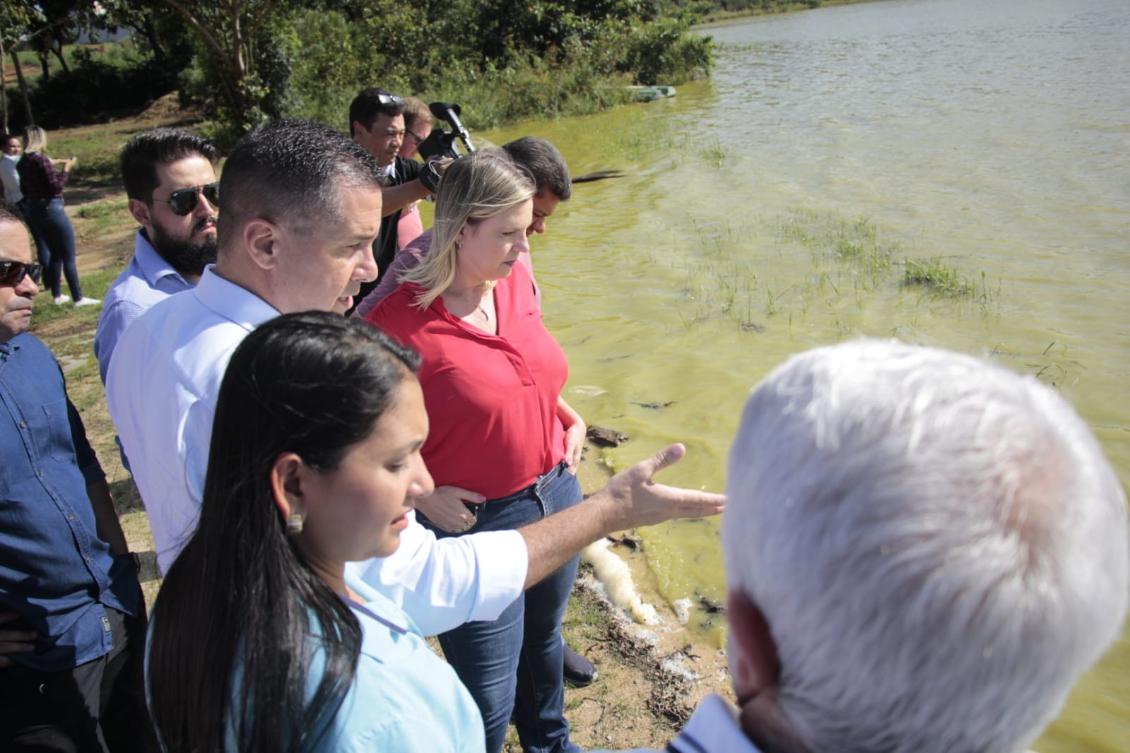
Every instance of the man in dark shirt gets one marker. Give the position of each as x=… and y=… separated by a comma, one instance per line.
x=72, y=625
x=376, y=123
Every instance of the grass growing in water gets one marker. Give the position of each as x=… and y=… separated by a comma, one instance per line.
x=937, y=277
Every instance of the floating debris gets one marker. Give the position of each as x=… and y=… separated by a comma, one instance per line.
x=654, y=406
x=602, y=436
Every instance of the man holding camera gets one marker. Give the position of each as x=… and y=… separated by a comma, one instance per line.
x=376, y=123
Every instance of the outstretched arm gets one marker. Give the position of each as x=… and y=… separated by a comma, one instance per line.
x=629, y=499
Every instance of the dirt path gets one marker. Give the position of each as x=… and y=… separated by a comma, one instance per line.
x=649, y=679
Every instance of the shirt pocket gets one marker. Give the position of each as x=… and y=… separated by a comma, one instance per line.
x=51, y=429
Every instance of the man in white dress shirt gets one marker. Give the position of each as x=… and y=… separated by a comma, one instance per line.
x=300, y=205
x=924, y=552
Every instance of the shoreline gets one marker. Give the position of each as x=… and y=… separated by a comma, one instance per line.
x=722, y=17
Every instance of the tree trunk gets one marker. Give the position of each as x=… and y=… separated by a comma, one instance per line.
x=3, y=91
x=44, y=64
x=57, y=48
x=23, y=87
x=154, y=40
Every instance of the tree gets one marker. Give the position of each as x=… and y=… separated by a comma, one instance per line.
x=16, y=17
x=230, y=31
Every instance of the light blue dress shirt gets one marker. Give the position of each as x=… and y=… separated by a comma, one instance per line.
x=148, y=279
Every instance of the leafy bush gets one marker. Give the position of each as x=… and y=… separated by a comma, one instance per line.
x=96, y=87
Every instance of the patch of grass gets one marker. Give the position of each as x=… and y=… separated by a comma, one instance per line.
x=852, y=242
x=938, y=277
x=100, y=218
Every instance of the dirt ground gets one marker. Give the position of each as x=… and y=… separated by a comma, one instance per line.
x=650, y=678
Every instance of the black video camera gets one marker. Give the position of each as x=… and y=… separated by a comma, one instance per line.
x=441, y=143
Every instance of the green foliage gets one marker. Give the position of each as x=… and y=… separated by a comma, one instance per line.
x=98, y=84
x=504, y=59
x=663, y=52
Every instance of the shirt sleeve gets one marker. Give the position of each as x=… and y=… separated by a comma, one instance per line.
x=405, y=260
x=110, y=327
x=442, y=583
x=84, y=453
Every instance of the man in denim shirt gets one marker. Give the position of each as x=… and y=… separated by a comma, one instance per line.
x=72, y=622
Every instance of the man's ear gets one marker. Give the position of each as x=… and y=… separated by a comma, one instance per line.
x=287, y=477
x=260, y=236
x=756, y=670
x=140, y=211
x=752, y=652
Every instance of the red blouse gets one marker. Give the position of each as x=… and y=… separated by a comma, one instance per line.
x=491, y=399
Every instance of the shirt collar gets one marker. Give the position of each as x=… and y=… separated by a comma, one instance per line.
x=151, y=263
x=232, y=302
x=714, y=726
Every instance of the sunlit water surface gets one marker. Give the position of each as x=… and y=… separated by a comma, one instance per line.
x=772, y=209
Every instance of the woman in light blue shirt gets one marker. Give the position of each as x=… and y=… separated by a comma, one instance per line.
x=259, y=639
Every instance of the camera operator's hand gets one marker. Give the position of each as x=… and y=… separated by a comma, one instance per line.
x=432, y=173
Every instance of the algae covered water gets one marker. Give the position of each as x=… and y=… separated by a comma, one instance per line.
x=950, y=173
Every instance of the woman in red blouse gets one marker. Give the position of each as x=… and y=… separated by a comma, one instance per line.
x=503, y=445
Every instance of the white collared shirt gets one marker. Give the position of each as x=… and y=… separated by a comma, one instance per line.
x=161, y=389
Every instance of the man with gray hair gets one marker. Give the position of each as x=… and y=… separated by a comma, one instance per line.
x=924, y=551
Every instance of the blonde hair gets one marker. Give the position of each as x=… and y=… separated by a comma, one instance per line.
x=474, y=188
x=35, y=139
x=416, y=111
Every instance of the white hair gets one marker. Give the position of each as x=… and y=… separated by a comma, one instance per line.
x=938, y=545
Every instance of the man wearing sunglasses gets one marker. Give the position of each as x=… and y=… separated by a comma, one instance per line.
x=72, y=623
x=376, y=123
x=170, y=179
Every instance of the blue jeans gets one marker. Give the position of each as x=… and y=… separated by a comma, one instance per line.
x=514, y=665
x=55, y=244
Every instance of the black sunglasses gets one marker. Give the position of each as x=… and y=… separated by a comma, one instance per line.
x=389, y=99
x=185, y=200
x=13, y=272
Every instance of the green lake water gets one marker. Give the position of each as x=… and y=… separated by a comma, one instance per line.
x=773, y=207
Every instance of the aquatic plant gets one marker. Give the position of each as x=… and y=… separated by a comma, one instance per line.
x=937, y=277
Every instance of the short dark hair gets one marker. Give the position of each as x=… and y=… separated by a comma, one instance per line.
x=544, y=162
x=144, y=152
x=367, y=105
x=290, y=169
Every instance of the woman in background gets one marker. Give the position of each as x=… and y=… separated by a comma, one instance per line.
x=41, y=181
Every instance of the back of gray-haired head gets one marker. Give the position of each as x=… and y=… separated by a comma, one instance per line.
x=291, y=172
x=938, y=545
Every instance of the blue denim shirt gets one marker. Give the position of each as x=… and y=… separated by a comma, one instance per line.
x=54, y=570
